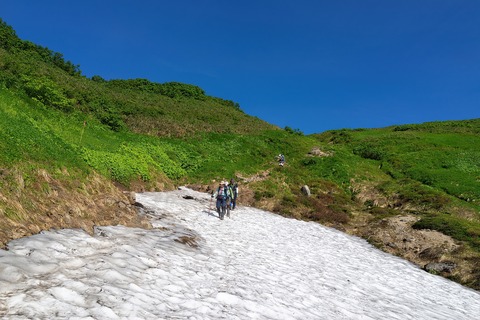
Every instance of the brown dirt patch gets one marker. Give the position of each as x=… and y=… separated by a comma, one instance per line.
x=53, y=204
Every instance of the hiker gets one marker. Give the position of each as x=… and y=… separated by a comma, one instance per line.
x=221, y=196
x=281, y=160
x=234, y=187
x=229, y=198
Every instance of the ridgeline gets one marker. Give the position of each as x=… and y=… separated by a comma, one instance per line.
x=72, y=149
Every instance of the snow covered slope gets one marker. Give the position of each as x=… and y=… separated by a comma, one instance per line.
x=256, y=265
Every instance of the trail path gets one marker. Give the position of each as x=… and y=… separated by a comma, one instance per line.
x=256, y=265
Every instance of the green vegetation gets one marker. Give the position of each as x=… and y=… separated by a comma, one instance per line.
x=139, y=133
x=460, y=229
x=433, y=170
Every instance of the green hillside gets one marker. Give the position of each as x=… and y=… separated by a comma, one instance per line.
x=430, y=169
x=69, y=144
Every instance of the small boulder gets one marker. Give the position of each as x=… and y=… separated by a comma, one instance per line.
x=138, y=204
x=306, y=190
x=131, y=197
x=439, y=267
x=316, y=152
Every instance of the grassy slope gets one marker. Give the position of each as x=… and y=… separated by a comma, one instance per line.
x=430, y=171
x=60, y=124
x=433, y=168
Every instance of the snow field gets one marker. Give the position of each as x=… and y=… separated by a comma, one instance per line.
x=256, y=265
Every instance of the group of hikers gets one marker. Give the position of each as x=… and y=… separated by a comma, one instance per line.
x=226, y=195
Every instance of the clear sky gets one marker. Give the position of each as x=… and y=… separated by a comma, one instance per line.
x=312, y=65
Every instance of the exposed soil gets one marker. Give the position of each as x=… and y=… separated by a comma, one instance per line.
x=424, y=248
x=53, y=204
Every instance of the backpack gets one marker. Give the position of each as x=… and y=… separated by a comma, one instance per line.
x=234, y=189
x=221, y=192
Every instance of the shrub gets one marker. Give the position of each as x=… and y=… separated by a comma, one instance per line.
x=329, y=215
x=47, y=92
x=403, y=127
x=293, y=131
x=112, y=120
x=369, y=151
x=326, y=208
x=309, y=161
x=338, y=136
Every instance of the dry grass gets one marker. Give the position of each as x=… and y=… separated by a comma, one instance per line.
x=50, y=203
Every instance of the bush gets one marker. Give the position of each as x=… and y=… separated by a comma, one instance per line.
x=309, y=161
x=369, y=151
x=112, y=119
x=337, y=136
x=293, y=131
x=329, y=215
x=47, y=92
x=326, y=208
x=404, y=127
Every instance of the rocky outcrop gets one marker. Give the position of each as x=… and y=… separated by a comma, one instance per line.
x=395, y=235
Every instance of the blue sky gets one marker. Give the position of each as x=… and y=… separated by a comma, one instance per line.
x=310, y=65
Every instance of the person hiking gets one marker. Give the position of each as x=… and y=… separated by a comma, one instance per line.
x=221, y=195
x=234, y=187
x=281, y=160
x=229, y=198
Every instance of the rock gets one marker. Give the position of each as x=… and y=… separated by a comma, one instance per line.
x=131, y=197
x=138, y=204
x=122, y=205
x=439, y=267
x=432, y=253
x=306, y=190
x=392, y=245
x=316, y=152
